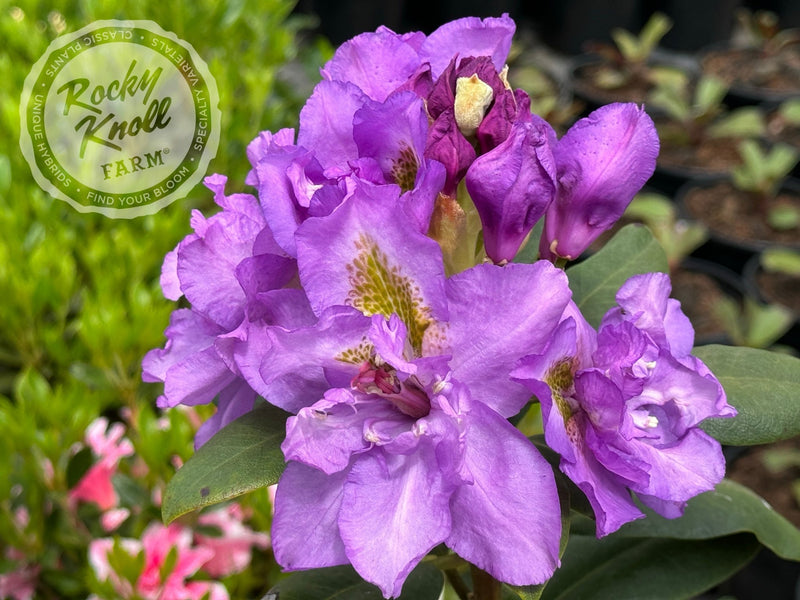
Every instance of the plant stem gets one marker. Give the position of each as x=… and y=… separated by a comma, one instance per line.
x=458, y=584
x=485, y=586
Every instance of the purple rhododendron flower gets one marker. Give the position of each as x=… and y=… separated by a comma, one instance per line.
x=401, y=391
x=480, y=129
x=601, y=162
x=622, y=407
x=224, y=269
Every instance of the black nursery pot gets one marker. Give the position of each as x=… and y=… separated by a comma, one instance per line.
x=697, y=284
x=724, y=246
x=582, y=66
x=743, y=93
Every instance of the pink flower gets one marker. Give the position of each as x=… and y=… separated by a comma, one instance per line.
x=232, y=550
x=158, y=543
x=111, y=519
x=19, y=584
x=110, y=447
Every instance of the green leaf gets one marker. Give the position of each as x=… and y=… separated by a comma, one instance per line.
x=657, y=569
x=628, y=45
x=779, y=259
x=790, y=111
x=529, y=252
x=244, y=456
x=670, y=100
x=595, y=281
x=653, y=31
x=740, y=123
x=765, y=389
x=709, y=93
x=728, y=509
x=425, y=582
x=78, y=466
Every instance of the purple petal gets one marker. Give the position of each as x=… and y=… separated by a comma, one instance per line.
x=328, y=433
x=296, y=367
x=326, y=122
x=448, y=146
x=305, y=533
x=188, y=332
x=390, y=338
x=206, y=264
x=506, y=524
x=190, y=367
x=208, y=280
x=418, y=203
x=395, y=509
x=682, y=471
x=170, y=284
x=610, y=499
x=367, y=254
x=497, y=316
x=555, y=366
x=469, y=36
x=498, y=121
x=234, y=401
x=644, y=300
x=262, y=273
x=393, y=132
x=512, y=187
x=378, y=63
x=272, y=160
x=603, y=160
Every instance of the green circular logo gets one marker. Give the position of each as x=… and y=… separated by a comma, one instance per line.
x=119, y=118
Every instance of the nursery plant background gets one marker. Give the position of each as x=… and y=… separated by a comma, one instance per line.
x=84, y=450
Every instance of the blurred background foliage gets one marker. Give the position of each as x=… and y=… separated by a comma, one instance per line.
x=80, y=302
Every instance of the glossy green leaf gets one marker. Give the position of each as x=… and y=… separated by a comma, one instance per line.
x=595, y=281
x=763, y=386
x=530, y=249
x=343, y=583
x=618, y=567
x=730, y=508
x=241, y=457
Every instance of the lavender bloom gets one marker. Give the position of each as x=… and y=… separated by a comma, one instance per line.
x=344, y=138
x=401, y=391
x=622, y=407
x=602, y=161
x=459, y=70
x=224, y=269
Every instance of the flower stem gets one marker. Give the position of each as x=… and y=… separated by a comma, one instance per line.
x=485, y=587
x=458, y=584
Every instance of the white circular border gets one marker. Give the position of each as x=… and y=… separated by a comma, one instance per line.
x=180, y=191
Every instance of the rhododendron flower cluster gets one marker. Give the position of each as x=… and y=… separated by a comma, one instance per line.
x=352, y=291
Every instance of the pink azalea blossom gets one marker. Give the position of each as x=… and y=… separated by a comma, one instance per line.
x=113, y=518
x=19, y=584
x=233, y=548
x=157, y=542
x=109, y=445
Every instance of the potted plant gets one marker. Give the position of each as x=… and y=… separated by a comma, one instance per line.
x=775, y=274
x=532, y=70
x=699, y=134
x=701, y=286
x=757, y=207
x=763, y=65
x=626, y=70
